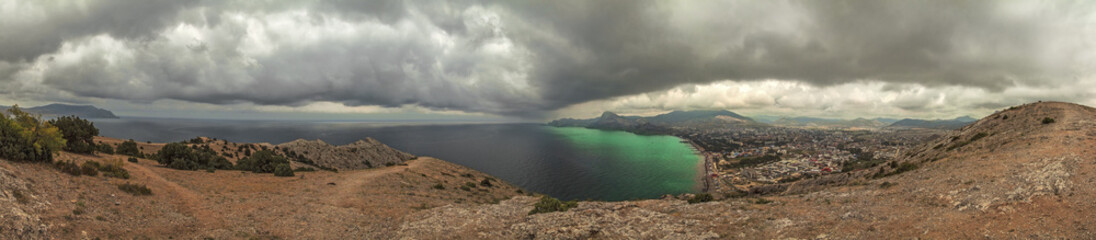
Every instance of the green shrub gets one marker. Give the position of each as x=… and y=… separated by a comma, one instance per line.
x=132, y=159
x=262, y=161
x=885, y=185
x=549, y=204
x=129, y=148
x=135, y=189
x=1048, y=120
x=68, y=167
x=78, y=133
x=701, y=197
x=978, y=136
x=283, y=170
x=465, y=188
x=304, y=169
x=105, y=148
x=439, y=186
x=113, y=168
x=180, y=156
x=486, y=182
x=90, y=168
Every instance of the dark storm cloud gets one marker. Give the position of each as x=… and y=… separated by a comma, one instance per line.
x=40, y=27
x=524, y=57
x=629, y=47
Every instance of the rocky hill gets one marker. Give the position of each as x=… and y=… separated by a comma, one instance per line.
x=826, y=122
x=947, y=124
x=1024, y=172
x=37, y=201
x=658, y=124
x=1027, y=172
x=56, y=109
x=362, y=154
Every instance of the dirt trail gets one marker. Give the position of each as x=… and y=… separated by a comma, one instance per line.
x=350, y=183
x=191, y=200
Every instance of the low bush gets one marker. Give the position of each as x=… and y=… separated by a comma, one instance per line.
x=701, y=197
x=486, y=182
x=304, y=169
x=885, y=185
x=978, y=136
x=132, y=160
x=1048, y=120
x=439, y=186
x=180, y=156
x=90, y=168
x=135, y=189
x=283, y=170
x=549, y=204
x=113, y=168
x=67, y=167
x=263, y=161
x=104, y=148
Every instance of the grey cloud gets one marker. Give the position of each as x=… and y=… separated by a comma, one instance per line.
x=41, y=26
x=527, y=57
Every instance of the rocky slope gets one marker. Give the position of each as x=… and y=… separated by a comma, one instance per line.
x=362, y=154
x=39, y=202
x=1027, y=172
x=1020, y=176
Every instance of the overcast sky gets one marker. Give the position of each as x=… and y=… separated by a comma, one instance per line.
x=536, y=60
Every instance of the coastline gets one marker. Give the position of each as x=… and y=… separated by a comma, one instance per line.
x=703, y=181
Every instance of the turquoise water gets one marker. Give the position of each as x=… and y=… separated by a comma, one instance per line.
x=639, y=166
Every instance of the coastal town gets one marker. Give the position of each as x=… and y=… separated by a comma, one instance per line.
x=738, y=157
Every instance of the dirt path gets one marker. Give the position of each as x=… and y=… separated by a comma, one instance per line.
x=191, y=200
x=350, y=183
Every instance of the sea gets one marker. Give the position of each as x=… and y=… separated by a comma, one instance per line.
x=563, y=162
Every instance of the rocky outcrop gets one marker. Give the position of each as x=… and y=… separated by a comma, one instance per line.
x=367, y=153
x=653, y=219
x=18, y=207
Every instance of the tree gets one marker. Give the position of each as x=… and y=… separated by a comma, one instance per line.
x=25, y=137
x=79, y=133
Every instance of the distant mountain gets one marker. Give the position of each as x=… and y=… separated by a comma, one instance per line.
x=933, y=124
x=825, y=122
x=887, y=121
x=57, y=109
x=659, y=124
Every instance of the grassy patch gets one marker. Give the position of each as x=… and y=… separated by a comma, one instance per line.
x=886, y=185
x=135, y=189
x=113, y=168
x=549, y=204
x=701, y=197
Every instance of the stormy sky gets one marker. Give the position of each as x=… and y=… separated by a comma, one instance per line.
x=546, y=59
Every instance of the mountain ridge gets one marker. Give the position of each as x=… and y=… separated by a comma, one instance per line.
x=58, y=109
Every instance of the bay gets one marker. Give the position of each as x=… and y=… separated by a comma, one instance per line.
x=566, y=163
